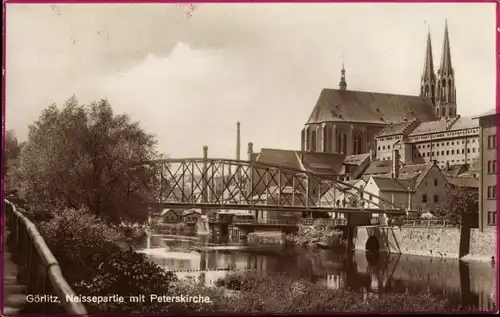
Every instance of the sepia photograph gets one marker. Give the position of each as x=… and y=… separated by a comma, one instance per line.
x=249, y=158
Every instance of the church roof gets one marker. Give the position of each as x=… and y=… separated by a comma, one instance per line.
x=369, y=107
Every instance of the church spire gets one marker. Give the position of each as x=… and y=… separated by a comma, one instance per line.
x=428, y=80
x=445, y=68
x=446, y=93
x=343, y=83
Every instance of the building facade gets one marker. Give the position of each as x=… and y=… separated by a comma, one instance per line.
x=487, y=178
x=450, y=141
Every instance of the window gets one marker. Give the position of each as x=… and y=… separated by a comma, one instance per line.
x=473, y=150
x=452, y=152
x=436, y=199
x=442, y=152
x=435, y=181
x=492, y=192
x=448, y=152
x=492, y=218
x=463, y=151
x=468, y=150
x=492, y=141
x=424, y=198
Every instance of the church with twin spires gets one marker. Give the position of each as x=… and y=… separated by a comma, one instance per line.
x=347, y=121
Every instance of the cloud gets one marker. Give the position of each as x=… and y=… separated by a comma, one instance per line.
x=193, y=97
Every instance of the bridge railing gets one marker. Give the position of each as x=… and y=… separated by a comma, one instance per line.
x=38, y=265
x=427, y=223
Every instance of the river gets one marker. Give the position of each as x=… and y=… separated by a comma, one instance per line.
x=464, y=284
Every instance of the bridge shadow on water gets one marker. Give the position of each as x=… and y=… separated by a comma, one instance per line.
x=463, y=284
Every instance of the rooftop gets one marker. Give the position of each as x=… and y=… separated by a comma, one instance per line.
x=356, y=159
x=394, y=184
x=491, y=112
x=370, y=107
x=468, y=182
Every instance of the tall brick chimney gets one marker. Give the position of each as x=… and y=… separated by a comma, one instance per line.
x=238, y=140
x=395, y=164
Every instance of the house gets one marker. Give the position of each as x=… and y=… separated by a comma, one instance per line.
x=415, y=187
x=355, y=165
x=191, y=216
x=346, y=194
x=170, y=216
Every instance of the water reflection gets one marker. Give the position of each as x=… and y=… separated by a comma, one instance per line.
x=463, y=284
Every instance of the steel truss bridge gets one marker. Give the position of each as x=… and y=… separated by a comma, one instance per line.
x=225, y=184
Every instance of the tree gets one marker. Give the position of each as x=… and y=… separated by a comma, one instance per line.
x=12, y=151
x=85, y=156
x=12, y=145
x=457, y=203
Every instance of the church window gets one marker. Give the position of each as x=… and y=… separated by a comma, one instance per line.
x=339, y=143
x=313, y=141
x=344, y=143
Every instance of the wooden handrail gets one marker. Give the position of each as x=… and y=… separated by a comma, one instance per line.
x=50, y=266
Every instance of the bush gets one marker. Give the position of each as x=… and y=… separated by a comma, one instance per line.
x=96, y=261
x=127, y=274
x=77, y=239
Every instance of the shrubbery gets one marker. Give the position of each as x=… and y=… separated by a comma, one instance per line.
x=278, y=293
x=96, y=261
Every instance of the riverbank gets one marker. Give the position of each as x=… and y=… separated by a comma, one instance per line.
x=318, y=235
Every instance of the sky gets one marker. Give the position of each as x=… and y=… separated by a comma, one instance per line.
x=189, y=74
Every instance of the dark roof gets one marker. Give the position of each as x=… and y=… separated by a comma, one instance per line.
x=416, y=172
x=491, y=112
x=454, y=170
x=362, y=106
x=319, y=162
x=329, y=163
x=469, y=182
x=356, y=159
x=394, y=184
x=379, y=168
x=287, y=158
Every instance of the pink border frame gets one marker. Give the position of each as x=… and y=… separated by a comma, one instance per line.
x=4, y=77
